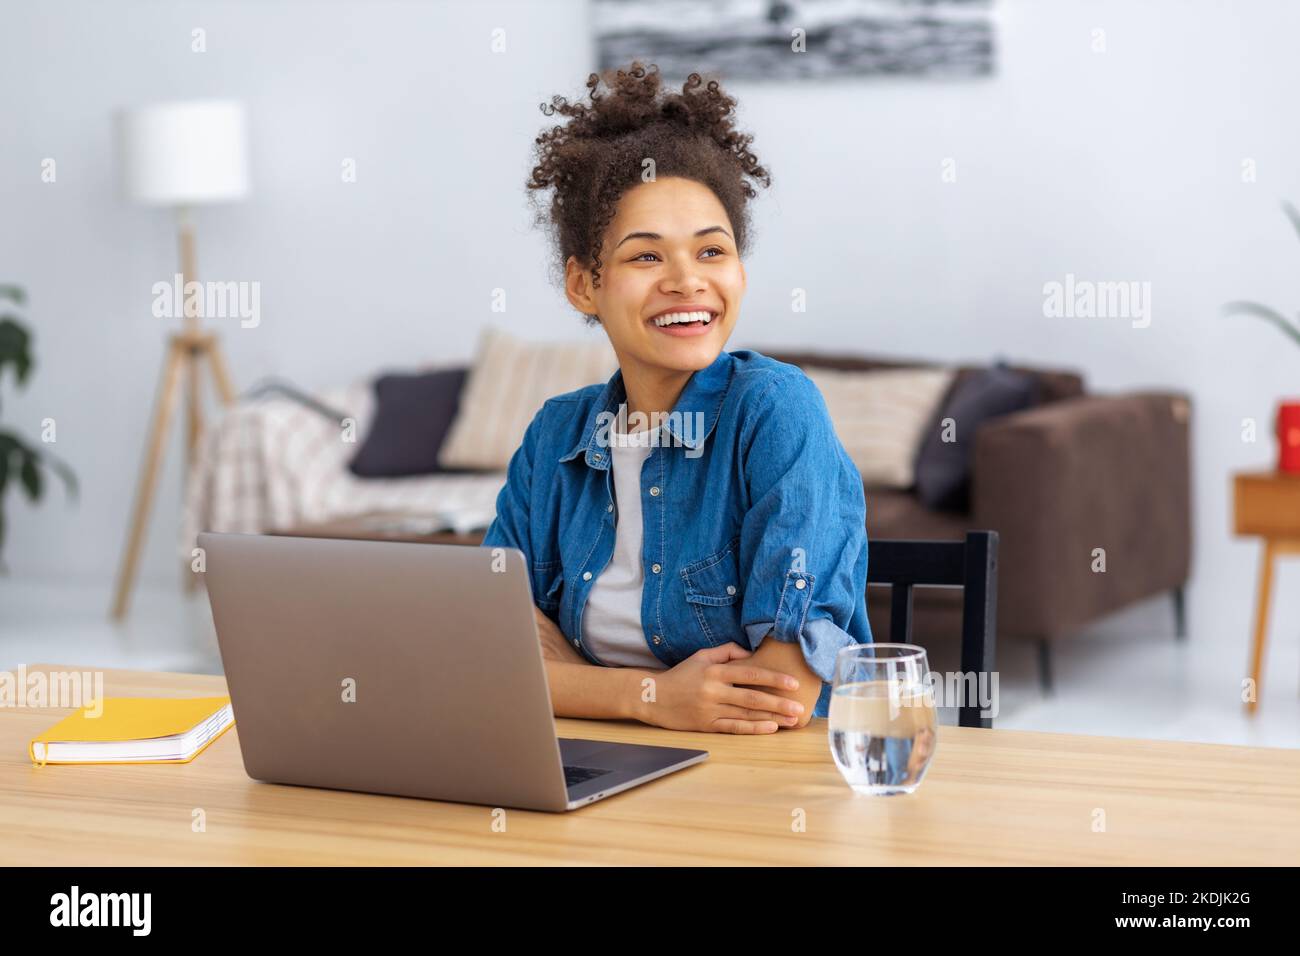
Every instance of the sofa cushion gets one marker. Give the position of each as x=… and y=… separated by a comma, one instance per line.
x=1053, y=384
x=508, y=383
x=413, y=414
x=943, y=465
x=880, y=416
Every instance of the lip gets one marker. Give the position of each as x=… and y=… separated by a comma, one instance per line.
x=685, y=331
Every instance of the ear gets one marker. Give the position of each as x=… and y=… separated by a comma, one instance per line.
x=577, y=287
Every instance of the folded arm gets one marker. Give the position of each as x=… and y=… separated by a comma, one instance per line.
x=787, y=658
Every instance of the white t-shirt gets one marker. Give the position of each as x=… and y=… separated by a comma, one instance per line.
x=611, y=619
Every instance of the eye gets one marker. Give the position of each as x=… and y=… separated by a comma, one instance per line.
x=718, y=249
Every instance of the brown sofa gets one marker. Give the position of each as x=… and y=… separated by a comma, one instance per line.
x=1075, y=473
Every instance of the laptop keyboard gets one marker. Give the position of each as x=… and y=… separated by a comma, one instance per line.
x=576, y=775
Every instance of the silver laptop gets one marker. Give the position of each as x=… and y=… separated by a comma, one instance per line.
x=401, y=668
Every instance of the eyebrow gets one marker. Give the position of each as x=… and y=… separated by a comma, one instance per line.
x=655, y=235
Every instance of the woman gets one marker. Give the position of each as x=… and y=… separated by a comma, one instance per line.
x=701, y=571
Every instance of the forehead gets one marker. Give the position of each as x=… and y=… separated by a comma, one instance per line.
x=670, y=206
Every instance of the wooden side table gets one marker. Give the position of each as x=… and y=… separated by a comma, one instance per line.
x=380, y=527
x=1267, y=505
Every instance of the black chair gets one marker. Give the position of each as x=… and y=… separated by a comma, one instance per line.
x=971, y=565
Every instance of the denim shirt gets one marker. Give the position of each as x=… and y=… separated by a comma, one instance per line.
x=754, y=516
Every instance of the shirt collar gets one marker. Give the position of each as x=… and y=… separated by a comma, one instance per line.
x=691, y=422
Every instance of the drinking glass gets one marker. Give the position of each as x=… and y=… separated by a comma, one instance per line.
x=882, y=721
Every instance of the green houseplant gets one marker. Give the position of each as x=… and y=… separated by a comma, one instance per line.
x=1288, y=412
x=1272, y=316
x=18, y=459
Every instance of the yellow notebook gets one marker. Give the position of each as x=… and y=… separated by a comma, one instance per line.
x=135, y=730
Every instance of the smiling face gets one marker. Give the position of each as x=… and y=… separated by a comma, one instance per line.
x=669, y=250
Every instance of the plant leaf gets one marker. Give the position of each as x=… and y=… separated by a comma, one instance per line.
x=15, y=348
x=1265, y=313
x=30, y=476
x=1293, y=214
x=13, y=292
x=12, y=448
x=64, y=472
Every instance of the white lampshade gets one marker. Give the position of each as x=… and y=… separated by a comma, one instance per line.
x=179, y=154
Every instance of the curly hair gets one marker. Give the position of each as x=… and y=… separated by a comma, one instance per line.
x=598, y=156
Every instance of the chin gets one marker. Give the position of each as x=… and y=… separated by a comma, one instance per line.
x=687, y=356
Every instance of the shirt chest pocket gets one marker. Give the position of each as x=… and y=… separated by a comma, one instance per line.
x=548, y=582
x=713, y=594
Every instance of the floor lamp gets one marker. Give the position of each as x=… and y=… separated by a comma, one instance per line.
x=179, y=155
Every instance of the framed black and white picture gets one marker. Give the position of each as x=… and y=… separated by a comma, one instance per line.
x=798, y=39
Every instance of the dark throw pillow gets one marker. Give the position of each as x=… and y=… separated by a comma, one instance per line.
x=413, y=414
x=943, y=469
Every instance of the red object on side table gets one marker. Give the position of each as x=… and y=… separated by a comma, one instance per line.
x=1288, y=437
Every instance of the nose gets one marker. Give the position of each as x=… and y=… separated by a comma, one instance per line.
x=684, y=279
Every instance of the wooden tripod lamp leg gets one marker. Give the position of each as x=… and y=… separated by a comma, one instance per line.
x=193, y=435
x=173, y=370
x=220, y=374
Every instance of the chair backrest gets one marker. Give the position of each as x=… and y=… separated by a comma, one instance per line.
x=971, y=565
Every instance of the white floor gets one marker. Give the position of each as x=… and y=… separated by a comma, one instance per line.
x=1125, y=677
x=60, y=624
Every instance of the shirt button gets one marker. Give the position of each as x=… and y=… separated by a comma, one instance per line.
x=654, y=492
x=595, y=457
x=609, y=507
x=731, y=589
x=657, y=640
x=586, y=575
x=800, y=583
x=654, y=568
x=577, y=643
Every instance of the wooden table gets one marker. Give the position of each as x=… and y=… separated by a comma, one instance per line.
x=1267, y=505
x=991, y=797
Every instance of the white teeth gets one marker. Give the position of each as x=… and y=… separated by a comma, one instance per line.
x=677, y=317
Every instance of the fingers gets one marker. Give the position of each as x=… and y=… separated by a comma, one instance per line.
x=734, y=725
x=730, y=651
x=747, y=713
x=749, y=674
x=751, y=699
x=744, y=710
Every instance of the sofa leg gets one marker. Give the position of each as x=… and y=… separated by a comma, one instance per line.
x=1045, y=665
x=1180, y=613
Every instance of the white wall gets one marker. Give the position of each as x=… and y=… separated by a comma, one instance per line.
x=1122, y=165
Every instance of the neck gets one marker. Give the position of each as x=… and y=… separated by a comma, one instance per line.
x=652, y=390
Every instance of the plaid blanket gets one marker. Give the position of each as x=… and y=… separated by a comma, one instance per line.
x=274, y=463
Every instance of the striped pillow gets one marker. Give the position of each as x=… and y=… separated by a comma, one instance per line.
x=509, y=381
x=881, y=417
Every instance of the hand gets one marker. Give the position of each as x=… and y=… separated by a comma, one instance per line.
x=555, y=647
x=702, y=693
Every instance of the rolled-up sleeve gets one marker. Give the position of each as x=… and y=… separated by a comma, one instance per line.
x=803, y=545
